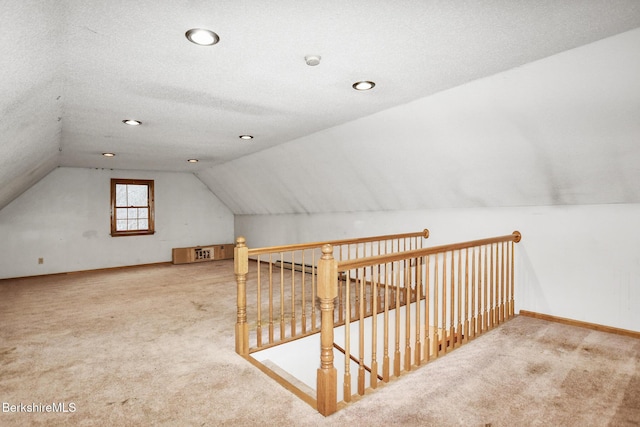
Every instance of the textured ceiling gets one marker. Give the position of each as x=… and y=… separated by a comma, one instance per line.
x=562, y=130
x=72, y=70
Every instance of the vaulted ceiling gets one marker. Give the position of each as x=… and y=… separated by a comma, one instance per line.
x=487, y=103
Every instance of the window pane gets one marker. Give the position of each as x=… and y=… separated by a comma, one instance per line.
x=132, y=207
x=121, y=195
x=137, y=195
x=121, y=213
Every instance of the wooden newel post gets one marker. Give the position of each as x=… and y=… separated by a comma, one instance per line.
x=327, y=378
x=241, y=269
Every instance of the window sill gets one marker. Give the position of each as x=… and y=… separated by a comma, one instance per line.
x=132, y=233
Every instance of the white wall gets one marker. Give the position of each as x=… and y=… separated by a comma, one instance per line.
x=578, y=262
x=65, y=219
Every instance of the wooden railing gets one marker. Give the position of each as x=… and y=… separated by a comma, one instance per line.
x=403, y=309
x=277, y=287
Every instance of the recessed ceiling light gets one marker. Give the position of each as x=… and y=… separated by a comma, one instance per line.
x=202, y=37
x=108, y=154
x=363, y=85
x=246, y=137
x=132, y=122
x=192, y=160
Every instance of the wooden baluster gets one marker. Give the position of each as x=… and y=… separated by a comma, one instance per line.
x=418, y=344
x=327, y=374
x=503, y=285
x=509, y=295
x=511, y=303
x=452, y=300
x=396, y=356
x=346, y=386
x=459, y=300
x=282, y=327
x=374, y=328
x=497, y=285
x=368, y=289
x=498, y=282
x=444, y=303
x=241, y=270
x=259, y=305
x=271, y=319
x=382, y=301
x=314, y=273
x=507, y=291
x=342, y=286
x=356, y=292
x=479, y=312
x=303, y=297
x=485, y=325
x=466, y=296
x=436, y=332
x=360, y=280
x=385, y=357
x=427, y=303
x=474, y=319
x=407, y=312
x=293, y=294
x=491, y=291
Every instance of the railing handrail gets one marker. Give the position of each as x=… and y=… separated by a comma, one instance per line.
x=312, y=245
x=346, y=265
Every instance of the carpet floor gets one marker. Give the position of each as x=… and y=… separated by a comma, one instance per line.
x=154, y=345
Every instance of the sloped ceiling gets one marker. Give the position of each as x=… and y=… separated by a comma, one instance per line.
x=476, y=103
x=562, y=130
x=31, y=92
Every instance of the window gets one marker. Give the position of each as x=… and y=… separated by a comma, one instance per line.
x=131, y=207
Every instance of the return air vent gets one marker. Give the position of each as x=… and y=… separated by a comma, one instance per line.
x=202, y=253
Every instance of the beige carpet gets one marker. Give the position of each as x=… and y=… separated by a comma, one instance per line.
x=155, y=346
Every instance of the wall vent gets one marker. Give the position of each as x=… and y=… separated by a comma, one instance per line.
x=201, y=254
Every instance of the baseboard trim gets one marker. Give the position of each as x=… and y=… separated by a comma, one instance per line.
x=284, y=382
x=571, y=322
x=95, y=270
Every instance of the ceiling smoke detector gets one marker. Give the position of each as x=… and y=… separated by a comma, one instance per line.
x=312, y=60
